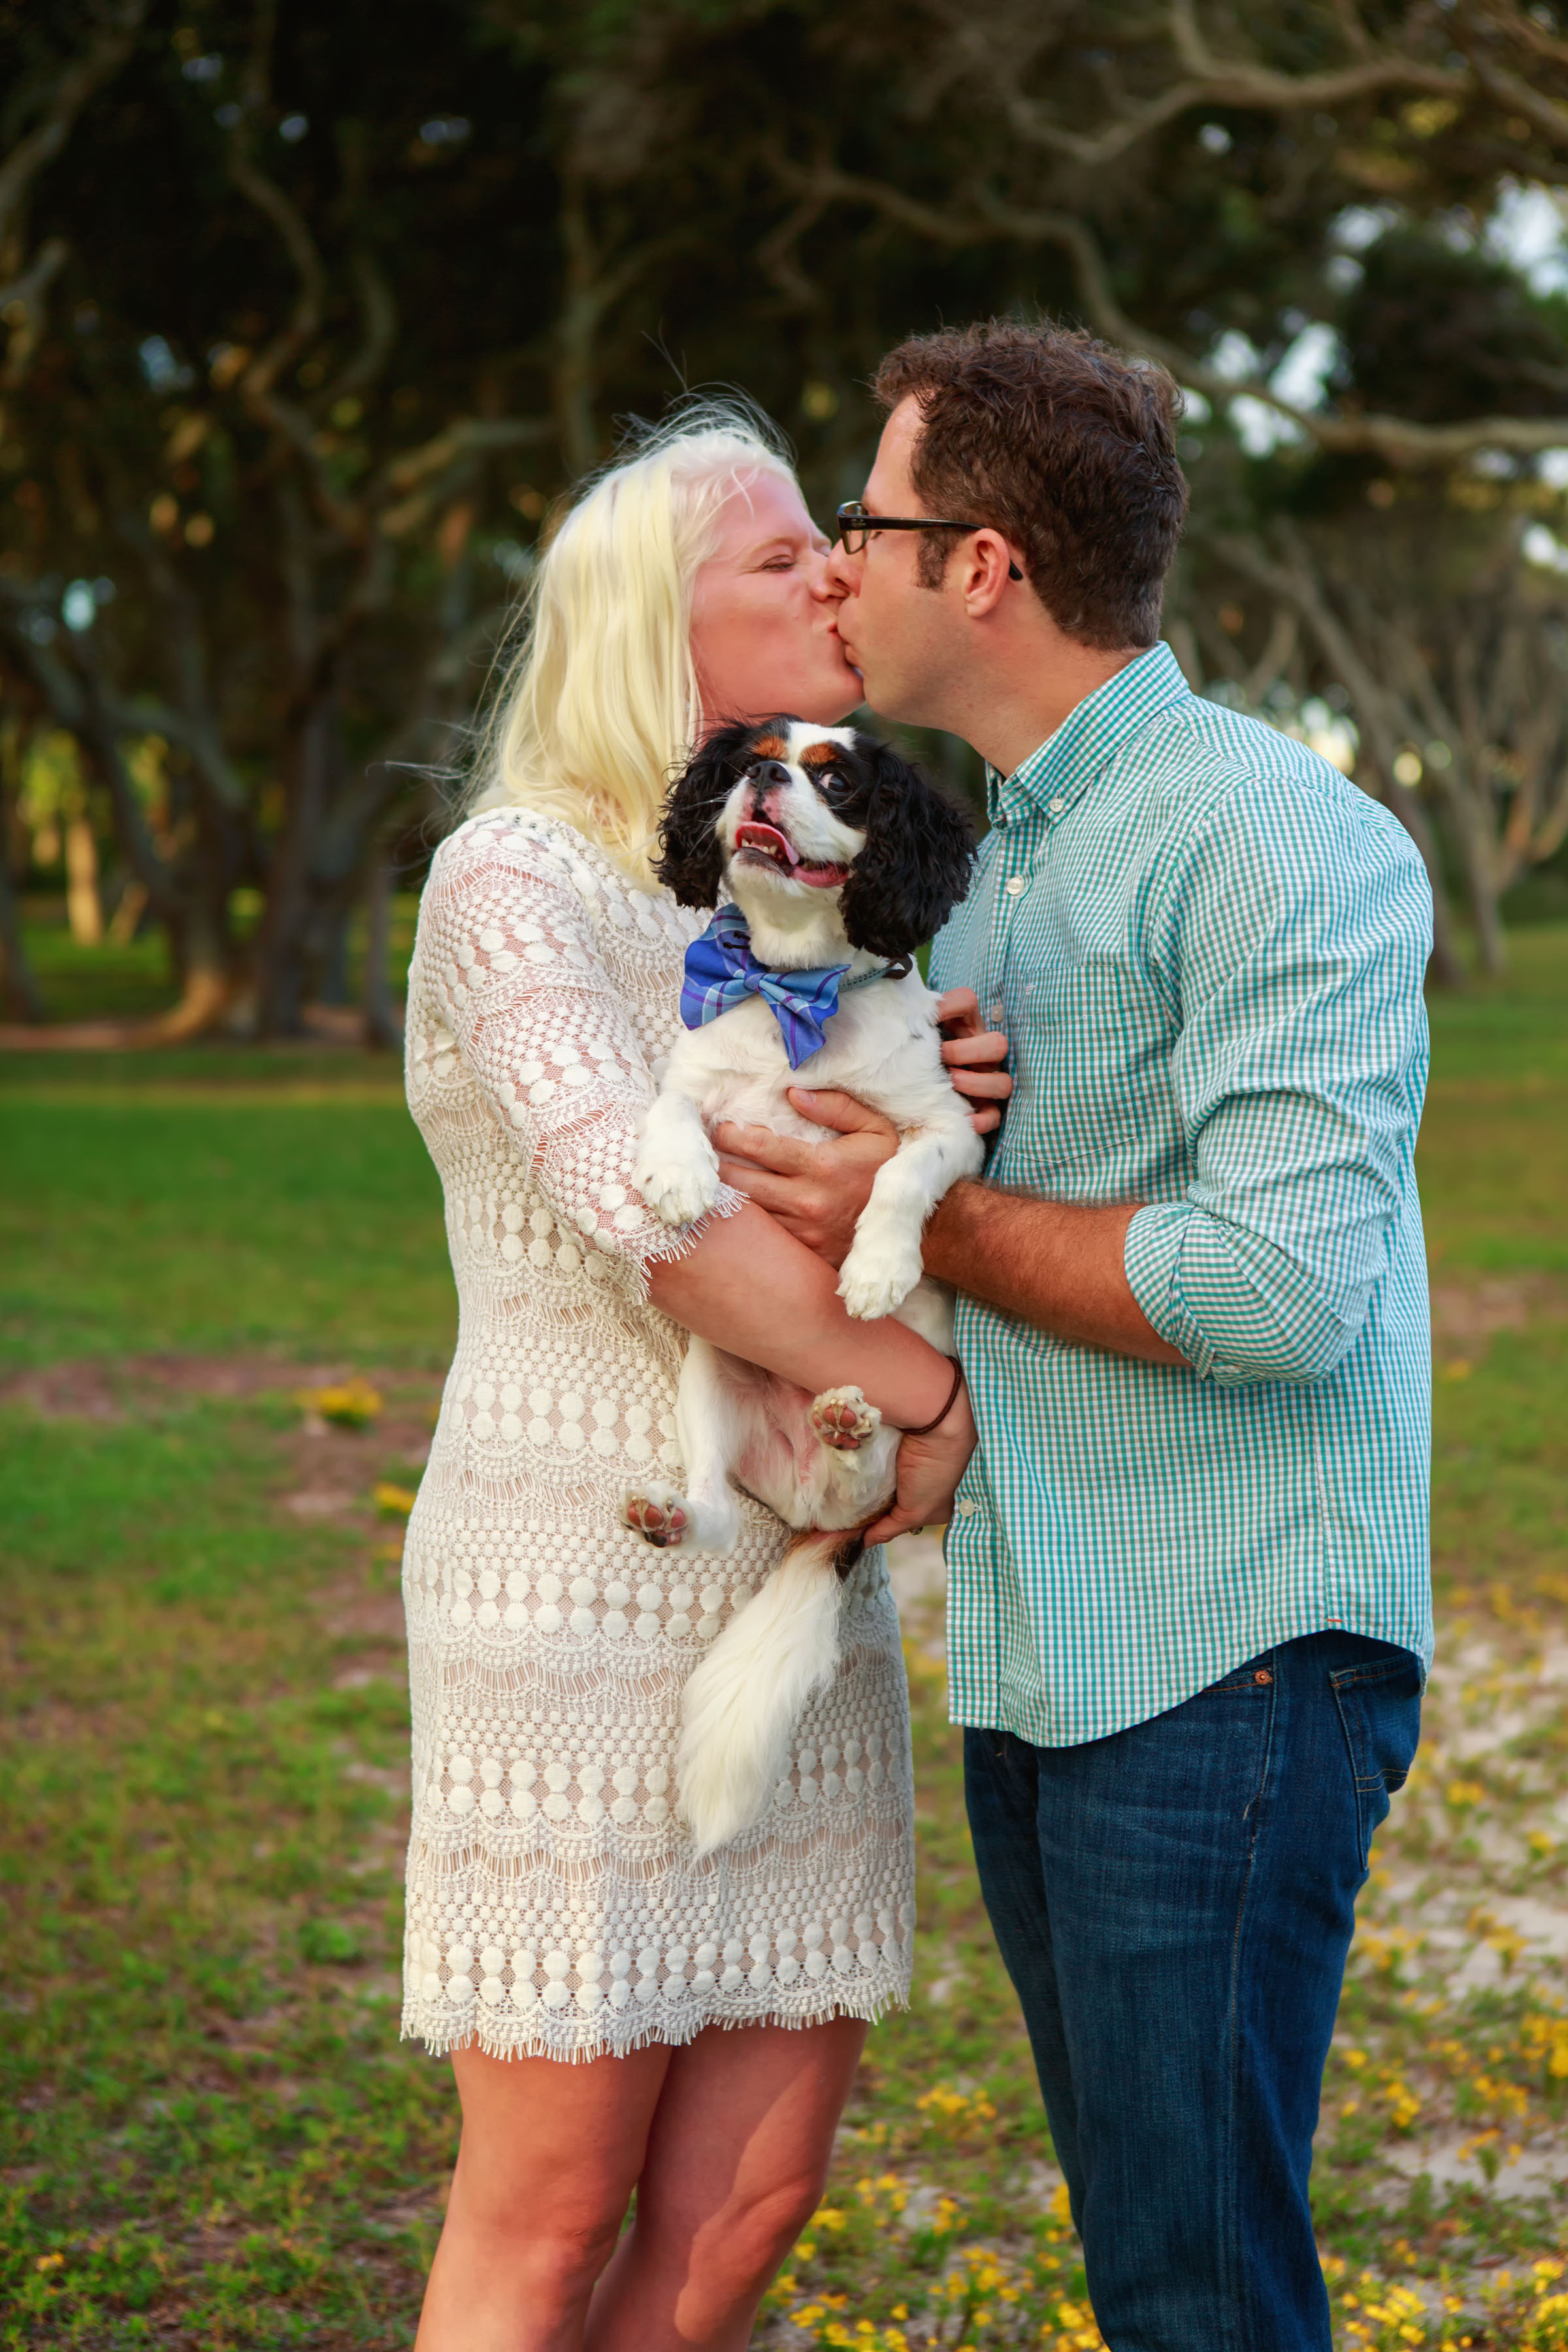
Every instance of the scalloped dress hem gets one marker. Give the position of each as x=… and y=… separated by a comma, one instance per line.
x=440, y=2038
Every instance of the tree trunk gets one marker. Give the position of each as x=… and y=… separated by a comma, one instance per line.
x=382, y=1025
x=330, y=975
x=18, y=988
x=84, y=906
x=199, y=937
x=1447, y=966
x=283, y=943
x=1475, y=851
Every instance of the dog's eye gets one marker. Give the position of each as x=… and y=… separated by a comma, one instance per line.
x=830, y=782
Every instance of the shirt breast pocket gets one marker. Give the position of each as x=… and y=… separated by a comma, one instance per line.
x=1100, y=1036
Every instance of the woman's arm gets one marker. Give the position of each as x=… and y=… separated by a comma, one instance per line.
x=535, y=1017
x=749, y=1287
x=752, y=1290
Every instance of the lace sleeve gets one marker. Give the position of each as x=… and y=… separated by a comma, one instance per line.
x=510, y=958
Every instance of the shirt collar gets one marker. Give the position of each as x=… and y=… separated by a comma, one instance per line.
x=1067, y=763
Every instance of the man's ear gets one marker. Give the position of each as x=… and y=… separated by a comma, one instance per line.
x=690, y=858
x=915, y=865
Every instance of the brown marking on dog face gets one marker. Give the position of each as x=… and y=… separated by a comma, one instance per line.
x=821, y=755
x=769, y=747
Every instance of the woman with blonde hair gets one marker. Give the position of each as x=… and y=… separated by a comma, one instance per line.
x=620, y=2017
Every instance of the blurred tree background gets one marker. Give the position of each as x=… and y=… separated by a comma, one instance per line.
x=310, y=315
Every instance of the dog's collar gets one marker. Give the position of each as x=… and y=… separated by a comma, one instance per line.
x=721, y=971
x=899, y=968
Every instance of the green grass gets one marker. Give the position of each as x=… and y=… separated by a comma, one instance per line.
x=207, y=2111
x=211, y=2136
x=263, y=1203
x=133, y=982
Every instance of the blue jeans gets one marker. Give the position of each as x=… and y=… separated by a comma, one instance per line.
x=1175, y=1904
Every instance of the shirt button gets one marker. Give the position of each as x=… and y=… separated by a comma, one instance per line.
x=1056, y=806
x=966, y=1510
x=1019, y=882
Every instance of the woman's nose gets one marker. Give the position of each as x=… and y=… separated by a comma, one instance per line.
x=825, y=585
x=837, y=579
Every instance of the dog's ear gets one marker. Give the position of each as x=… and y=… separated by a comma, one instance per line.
x=690, y=858
x=915, y=865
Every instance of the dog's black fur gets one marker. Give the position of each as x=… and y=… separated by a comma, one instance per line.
x=901, y=888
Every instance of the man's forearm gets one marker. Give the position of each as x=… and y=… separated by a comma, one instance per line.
x=1055, y=1263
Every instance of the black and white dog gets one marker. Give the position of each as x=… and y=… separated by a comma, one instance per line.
x=839, y=860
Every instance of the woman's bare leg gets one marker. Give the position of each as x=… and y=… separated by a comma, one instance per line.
x=737, y=2154
x=548, y=2156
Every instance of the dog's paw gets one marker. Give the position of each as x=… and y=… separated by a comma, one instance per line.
x=876, y=1276
x=843, y=1419
x=659, y=1514
x=678, y=1190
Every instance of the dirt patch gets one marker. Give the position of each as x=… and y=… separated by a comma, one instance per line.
x=334, y=1476
x=105, y=1387
x=330, y=1473
x=86, y=1392
x=1466, y=1315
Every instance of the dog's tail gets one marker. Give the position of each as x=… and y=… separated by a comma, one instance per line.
x=741, y=1704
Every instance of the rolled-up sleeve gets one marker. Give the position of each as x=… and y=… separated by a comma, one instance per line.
x=1297, y=933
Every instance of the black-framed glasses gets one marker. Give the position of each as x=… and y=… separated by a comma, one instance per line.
x=856, y=526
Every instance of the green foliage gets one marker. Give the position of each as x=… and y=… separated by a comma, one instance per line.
x=1436, y=331
x=334, y=303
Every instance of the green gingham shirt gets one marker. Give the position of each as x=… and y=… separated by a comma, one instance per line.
x=1206, y=947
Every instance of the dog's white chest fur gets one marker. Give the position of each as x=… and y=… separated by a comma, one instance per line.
x=882, y=1046
x=879, y=1024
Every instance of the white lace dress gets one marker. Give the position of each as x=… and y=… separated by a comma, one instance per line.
x=552, y=1906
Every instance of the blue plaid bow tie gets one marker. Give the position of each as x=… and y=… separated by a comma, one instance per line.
x=721, y=971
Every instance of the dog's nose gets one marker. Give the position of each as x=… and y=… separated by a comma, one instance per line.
x=770, y=774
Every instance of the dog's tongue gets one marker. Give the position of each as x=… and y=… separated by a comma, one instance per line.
x=766, y=837
x=771, y=843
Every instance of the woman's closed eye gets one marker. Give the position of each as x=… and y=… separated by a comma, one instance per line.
x=790, y=556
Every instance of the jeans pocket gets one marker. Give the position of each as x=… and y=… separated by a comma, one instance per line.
x=1380, y=1707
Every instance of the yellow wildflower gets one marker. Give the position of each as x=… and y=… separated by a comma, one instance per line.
x=350, y=1404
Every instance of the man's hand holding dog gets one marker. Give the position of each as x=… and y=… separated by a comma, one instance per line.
x=817, y=1191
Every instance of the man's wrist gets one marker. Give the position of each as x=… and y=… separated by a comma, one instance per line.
x=941, y=1244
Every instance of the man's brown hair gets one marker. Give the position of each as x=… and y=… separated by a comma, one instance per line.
x=1059, y=442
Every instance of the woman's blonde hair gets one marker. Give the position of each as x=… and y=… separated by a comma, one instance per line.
x=600, y=707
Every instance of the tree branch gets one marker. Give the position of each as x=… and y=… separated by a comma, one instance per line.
x=379, y=314
x=1294, y=584
x=79, y=81
x=1211, y=81
x=72, y=693
x=1396, y=440
x=46, y=265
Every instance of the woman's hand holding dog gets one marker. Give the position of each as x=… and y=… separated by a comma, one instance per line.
x=817, y=1191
